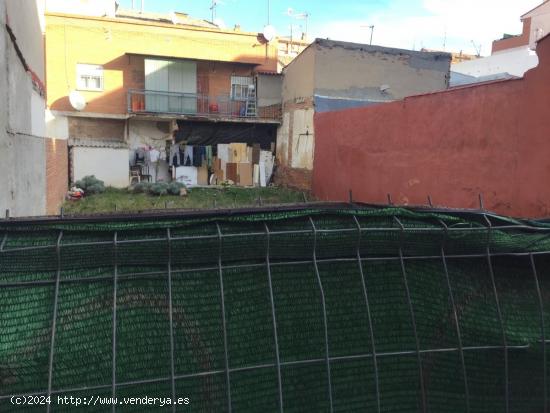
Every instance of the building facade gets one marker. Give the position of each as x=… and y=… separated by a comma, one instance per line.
x=513, y=55
x=33, y=179
x=330, y=75
x=142, y=76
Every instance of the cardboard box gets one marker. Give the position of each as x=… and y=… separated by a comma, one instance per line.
x=202, y=175
x=238, y=152
x=231, y=172
x=245, y=171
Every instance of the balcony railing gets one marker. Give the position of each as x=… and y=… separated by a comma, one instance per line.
x=158, y=102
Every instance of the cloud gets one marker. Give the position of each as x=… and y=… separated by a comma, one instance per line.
x=434, y=22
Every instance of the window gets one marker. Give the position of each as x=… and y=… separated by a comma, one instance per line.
x=89, y=77
x=240, y=87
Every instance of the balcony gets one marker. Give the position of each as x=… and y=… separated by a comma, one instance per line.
x=151, y=102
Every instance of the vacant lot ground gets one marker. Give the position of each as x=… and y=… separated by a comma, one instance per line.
x=197, y=198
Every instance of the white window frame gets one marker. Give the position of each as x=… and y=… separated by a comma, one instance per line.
x=240, y=87
x=89, y=77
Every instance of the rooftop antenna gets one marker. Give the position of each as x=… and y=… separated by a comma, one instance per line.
x=445, y=39
x=213, y=8
x=371, y=27
x=290, y=12
x=477, y=49
x=303, y=16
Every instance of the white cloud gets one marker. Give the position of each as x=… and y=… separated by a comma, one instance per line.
x=459, y=21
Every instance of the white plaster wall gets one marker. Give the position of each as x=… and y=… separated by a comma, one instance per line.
x=513, y=61
x=38, y=107
x=108, y=164
x=302, y=139
x=540, y=23
x=282, y=140
x=57, y=126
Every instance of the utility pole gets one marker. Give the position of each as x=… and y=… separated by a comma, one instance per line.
x=268, y=7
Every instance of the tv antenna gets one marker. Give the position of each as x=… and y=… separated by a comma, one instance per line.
x=303, y=16
x=213, y=7
x=371, y=27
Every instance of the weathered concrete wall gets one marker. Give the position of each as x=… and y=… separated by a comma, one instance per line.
x=270, y=89
x=332, y=75
x=352, y=71
x=299, y=77
x=22, y=124
x=297, y=97
x=148, y=133
x=111, y=165
x=490, y=139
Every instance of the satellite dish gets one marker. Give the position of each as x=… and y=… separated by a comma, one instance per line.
x=77, y=100
x=269, y=33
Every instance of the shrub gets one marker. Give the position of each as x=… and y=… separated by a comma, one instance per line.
x=160, y=188
x=175, y=187
x=142, y=187
x=91, y=185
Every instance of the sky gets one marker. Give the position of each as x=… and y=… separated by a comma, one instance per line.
x=451, y=25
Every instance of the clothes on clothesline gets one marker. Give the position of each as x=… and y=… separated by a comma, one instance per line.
x=190, y=155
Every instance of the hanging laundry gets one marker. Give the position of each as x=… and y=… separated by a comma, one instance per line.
x=209, y=156
x=188, y=156
x=175, y=159
x=154, y=155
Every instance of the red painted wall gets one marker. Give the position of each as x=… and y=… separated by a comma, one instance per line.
x=492, y=139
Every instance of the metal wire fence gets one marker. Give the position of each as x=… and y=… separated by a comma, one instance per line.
x=344, y=309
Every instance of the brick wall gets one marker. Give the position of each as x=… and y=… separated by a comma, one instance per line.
x=56, y=174
x=293, y=178
x=94, y=128
x=489, y=139
x=120, y=46
x=515, y=41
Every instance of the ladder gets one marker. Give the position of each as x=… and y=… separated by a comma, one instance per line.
x=251, y=102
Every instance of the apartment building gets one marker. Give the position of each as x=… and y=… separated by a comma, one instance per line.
x=121, y=82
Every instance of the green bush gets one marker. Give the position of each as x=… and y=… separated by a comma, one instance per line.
x=175, y=187
x=160, y=188
x=91, y=185
x=142, y=188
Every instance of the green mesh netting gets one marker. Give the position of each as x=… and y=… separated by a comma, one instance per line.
x=380, y=289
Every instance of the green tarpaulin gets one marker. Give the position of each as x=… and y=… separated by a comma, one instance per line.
x=314, y=309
